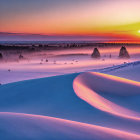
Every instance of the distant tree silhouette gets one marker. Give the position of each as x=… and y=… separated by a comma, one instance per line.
x=96, y=53
x=20, y=56
x=1, y=56
x=124, y=53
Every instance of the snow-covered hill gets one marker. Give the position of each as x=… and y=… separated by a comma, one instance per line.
x=89, y=105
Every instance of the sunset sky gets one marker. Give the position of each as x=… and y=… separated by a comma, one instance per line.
x=98, y=18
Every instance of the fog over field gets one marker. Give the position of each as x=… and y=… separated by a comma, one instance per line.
x=17, y=65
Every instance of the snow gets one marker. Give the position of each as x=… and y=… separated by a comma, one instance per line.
x=99, y=103
x=59, y=63
x=25, y=126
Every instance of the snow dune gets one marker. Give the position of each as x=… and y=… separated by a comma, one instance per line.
x=90, y=87
x=25, y=126
x=82, y=106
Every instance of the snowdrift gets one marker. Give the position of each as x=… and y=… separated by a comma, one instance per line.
x=91, y=86
x=82, y=106
x=25, y=126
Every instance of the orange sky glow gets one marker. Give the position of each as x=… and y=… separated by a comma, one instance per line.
x=118, y=18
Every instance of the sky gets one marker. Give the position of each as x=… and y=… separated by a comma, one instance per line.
x=97, y=18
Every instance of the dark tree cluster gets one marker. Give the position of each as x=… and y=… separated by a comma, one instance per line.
x=96, y=53
x=124, y=53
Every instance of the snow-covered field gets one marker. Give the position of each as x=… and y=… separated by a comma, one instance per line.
x=61, y=62
x=86, y=100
